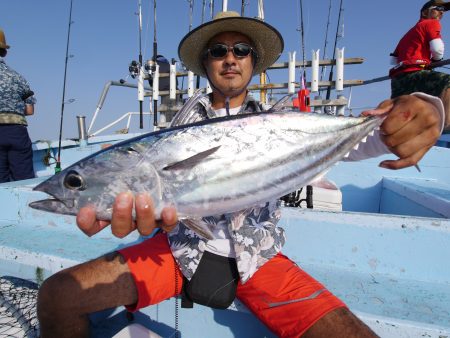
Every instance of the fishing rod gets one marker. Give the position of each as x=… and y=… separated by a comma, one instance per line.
x=243, y=7
x=326, y=41
x=334, y=50
x=141, y=70
x=190, y=77
x=302, y=35
x=191, y=13
x=203, y=10
x=432, y=65
x=202, y=21
x=263, y=75
x=155, y=56
x=303, y=93
x=58, y=160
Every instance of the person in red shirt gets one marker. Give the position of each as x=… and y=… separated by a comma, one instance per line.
x=417, y=50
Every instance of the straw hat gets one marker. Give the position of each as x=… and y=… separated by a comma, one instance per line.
x=429, y=4
x=3, y=44
x=266, y=39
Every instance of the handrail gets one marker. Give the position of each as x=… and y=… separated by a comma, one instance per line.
x=103, y=97
x=253, y=87
x=129, y=115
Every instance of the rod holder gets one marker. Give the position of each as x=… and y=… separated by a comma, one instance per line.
x=155, y=92
x=318, y=109
x=340, y=69
x=340, y=110
x=291, y=80
x=173, y=81
x=82, y=134
x=315, y=71
x=190, y=84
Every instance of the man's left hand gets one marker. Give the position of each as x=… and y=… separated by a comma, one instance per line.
x=411, y=128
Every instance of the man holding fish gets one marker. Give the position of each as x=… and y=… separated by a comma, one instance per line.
x=237, y=252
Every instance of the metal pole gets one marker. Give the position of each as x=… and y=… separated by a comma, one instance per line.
x=82, y=134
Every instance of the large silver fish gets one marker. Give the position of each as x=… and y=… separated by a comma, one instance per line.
x=210, y=167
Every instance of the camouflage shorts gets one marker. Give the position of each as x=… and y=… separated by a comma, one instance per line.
x=425, y=81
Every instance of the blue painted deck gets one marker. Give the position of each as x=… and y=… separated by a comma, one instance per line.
x=392, y=270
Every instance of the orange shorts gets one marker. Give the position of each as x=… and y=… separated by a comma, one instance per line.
x=284, y=297
x=154, y=271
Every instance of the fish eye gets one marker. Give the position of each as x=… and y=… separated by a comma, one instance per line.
x=74, y=181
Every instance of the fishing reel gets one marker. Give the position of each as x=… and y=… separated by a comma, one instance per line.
x=134, y=69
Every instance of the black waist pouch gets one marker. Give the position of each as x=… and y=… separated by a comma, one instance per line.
x=213, y=284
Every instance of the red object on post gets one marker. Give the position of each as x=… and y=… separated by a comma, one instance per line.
x=304, y=100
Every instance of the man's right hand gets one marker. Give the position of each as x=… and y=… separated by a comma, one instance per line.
x=122, y=223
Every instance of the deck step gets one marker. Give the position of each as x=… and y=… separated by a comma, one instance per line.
x=413, y=196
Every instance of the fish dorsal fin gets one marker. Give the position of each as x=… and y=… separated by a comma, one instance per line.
x=192, y=161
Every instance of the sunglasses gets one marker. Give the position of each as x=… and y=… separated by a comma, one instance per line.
x=219, y=50
x=438, y=8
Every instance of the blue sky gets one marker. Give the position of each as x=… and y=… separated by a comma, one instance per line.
x=104, y=39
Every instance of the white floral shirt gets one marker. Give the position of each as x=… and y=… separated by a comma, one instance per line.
x=254, y=233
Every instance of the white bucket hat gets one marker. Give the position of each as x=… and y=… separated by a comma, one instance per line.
x=267, y=41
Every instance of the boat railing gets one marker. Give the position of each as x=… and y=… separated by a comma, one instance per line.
x=172, y=101
x=125, y=130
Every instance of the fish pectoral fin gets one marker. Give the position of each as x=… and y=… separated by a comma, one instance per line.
x=192, y=161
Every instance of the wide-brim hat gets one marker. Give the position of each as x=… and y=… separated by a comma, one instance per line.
x=432, y=3
x=267, y=41
x=3, y=44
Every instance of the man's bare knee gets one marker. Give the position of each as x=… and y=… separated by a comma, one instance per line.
x=59, y=298
x=66, y=298
x=340, y=323
x=58, y=293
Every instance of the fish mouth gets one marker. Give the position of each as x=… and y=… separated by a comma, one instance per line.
x=66, y=206
x=55, y=204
